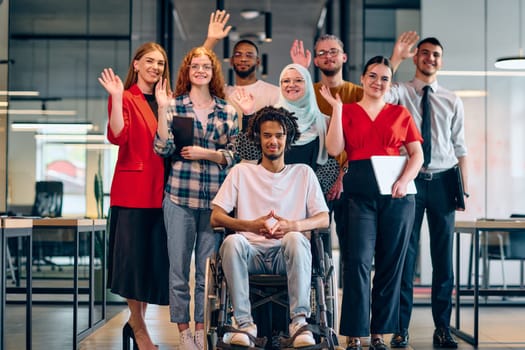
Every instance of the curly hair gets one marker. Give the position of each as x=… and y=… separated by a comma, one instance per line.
x=287, y=120
x=132, y=76
x=216, y=85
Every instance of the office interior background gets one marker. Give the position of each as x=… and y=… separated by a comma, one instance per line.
x=52, y=52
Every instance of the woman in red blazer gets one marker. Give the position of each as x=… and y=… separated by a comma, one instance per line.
x=138, y=259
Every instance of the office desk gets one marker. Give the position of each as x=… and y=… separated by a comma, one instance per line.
x=476, y=229
x=77, y=228
x=20, y=228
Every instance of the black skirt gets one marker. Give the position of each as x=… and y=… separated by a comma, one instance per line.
x=138, y=264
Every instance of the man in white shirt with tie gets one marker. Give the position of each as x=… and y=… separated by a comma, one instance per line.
x=435, y=188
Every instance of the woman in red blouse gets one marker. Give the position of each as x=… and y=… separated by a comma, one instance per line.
x=379, y=226
x=138, y=254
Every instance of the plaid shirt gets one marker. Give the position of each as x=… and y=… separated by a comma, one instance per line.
x=194, y=183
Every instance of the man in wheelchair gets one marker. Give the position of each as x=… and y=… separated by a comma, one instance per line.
x=275, y=205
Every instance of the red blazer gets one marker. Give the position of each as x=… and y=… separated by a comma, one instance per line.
x=139, y=173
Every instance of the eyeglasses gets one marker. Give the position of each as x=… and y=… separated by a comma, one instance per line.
x=205, y=67
x=249, y=55
x=290, y=81
x=332, y=52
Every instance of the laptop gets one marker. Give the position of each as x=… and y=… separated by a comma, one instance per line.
x=387, y=170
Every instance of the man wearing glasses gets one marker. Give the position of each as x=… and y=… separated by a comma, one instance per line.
x=244, y=60
x=329, y=57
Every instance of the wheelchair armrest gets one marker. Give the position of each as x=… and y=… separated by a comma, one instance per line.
x=219, y=230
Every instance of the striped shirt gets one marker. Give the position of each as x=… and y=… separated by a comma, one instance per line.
x=194, y=183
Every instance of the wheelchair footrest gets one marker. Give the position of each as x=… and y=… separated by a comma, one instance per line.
x=260, y=346
x=326, y=343
x=259, y=343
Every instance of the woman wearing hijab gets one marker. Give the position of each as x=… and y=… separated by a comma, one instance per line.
x=296, y=95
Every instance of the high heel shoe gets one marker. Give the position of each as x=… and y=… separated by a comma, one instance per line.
x=127, y=335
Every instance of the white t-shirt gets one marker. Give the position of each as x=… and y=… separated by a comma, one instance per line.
x=293, y=193
x=265, y=94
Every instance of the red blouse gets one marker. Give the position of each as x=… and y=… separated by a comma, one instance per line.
x=364, y=137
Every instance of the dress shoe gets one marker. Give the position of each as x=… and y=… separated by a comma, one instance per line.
x=127, y=336
x=378, y=344
x=354, y=344
x=399, y=340
x=444, y=339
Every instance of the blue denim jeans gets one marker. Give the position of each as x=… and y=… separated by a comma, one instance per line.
x=187, y=228
x=292, y=257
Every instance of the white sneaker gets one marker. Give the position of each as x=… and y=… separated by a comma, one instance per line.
x=241, y=339
x=305, y=338
x=186, y=340
x=199, y=339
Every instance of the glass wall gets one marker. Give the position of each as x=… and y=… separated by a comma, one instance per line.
x=4, y=69
x=59, y=50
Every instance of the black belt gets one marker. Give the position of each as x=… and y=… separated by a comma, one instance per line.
x=432, y=176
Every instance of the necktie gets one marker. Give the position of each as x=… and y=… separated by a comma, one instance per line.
x=426, y=126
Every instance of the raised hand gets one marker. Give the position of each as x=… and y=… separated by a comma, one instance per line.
x=404, y=47
x=327, y=95
x=244, y=100
x=111, y=82
x=162, y=96
x=217, y=28
x=299, y=55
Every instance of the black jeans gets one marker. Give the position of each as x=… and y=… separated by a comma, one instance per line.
x=436, y=198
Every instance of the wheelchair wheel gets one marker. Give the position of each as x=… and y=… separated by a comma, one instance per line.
x=331, y=292
x=211, y=290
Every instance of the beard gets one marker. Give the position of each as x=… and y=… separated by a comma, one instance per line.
x=246, y=73
x=273, y=156
x=330, y=72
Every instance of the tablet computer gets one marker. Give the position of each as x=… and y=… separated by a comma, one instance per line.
x=387, y=170
x=182, y=130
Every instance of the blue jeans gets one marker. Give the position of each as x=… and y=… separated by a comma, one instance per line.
x=187, y=228
x=292, y=257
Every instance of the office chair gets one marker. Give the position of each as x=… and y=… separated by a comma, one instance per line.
x=509, y=246
x=48, y=199
x=48, y=203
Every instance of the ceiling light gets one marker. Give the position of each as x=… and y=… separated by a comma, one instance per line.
x=250, y=14
x=78, y=138
x=41, y=112
x=53, y=128
x=264, y=64
x=19, y=93
x=471, y=93
x=479, y=73
x=268, y=27
x=515, y=62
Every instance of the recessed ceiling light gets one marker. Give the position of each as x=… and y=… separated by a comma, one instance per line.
x=250, y=13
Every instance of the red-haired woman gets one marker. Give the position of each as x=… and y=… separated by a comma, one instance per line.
x=196, y=173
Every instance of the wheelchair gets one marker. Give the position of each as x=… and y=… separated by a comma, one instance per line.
x=269, y=302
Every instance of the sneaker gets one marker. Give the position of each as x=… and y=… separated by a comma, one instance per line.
x=186, y=340
x=198, y=338
x=302, y=339
x=241, y=339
